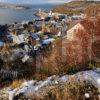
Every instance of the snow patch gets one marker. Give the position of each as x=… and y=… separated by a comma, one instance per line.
x=30, y=88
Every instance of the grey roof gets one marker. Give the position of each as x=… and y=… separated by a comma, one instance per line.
x=34, y=35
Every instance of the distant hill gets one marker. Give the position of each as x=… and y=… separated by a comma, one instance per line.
x=76, y=7
x=13, y=6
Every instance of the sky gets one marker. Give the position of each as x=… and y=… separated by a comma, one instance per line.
x=35, y=1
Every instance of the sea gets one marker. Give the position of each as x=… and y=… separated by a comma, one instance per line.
x=8, y=16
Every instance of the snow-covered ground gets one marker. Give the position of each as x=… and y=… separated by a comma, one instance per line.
x=31, y=88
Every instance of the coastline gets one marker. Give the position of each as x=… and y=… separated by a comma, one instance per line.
x=14, y=6
x=8, y=16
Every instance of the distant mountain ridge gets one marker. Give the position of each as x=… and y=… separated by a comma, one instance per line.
x=76, y=7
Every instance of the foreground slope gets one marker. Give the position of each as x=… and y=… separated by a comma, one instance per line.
x=83, y=85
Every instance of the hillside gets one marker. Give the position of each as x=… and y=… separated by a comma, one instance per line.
x=82, y=86
x=76, y=7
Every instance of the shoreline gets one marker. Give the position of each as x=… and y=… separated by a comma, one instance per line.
x=14, y=6
x=21, y=14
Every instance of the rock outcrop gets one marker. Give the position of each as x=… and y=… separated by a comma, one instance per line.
x=86, y=80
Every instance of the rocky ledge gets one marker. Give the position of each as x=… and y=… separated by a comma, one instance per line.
x=88, y=82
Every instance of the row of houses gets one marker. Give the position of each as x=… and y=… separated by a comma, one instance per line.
x=33, y=35
x=23, y=38
x=37, y=30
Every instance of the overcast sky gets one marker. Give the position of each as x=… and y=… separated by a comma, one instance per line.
x=35, y=1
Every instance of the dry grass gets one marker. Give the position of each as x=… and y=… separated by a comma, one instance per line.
x=77, y=7
x=72, y=90
x=39, y=76
x=16, y=83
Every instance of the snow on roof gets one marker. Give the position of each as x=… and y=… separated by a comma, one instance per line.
x=34, y=36
x=47, y=41
x=18, y=39
x=25, y=58
x=1, y=44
